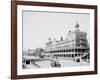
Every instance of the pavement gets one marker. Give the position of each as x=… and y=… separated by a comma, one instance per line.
x=47, y=64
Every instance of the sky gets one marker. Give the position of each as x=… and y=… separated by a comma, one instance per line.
x=39, y=26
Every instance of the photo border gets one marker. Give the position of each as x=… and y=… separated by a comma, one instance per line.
x=14, y=38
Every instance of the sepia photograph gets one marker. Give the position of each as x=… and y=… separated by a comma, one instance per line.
x=55, y=39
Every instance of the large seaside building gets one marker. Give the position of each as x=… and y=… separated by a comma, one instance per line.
x=74, y=46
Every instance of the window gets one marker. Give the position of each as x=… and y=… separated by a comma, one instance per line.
x=78, y=54
x=75, y=55
x=28, y=62
x=69, y=55
x=75, y=50
x=72, y=50
x=66, y=55
x=72, y=55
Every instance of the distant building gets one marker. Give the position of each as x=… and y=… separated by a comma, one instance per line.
x=31, y=55
x=75, y=45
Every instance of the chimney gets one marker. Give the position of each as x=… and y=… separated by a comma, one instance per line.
x=77, y=25
x=49, y=39
x=69, y=31
x=61, y=38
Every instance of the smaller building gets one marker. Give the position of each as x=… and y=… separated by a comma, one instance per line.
x=32, y=55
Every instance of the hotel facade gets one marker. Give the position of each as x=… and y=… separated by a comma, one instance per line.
x=74, y=46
